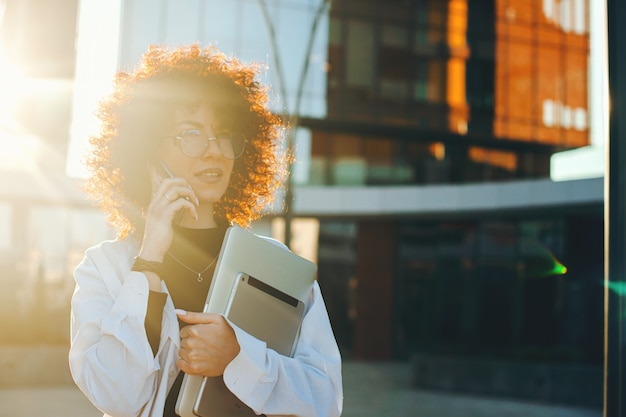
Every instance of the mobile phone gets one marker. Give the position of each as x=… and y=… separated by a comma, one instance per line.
x=164, y=172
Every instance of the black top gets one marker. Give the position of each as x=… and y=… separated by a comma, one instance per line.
x=196, y=249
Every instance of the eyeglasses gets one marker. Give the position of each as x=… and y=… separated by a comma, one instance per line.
x=194, y=143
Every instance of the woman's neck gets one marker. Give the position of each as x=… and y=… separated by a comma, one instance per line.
x=205, y=220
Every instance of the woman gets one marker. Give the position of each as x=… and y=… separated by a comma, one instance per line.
x=186, y=148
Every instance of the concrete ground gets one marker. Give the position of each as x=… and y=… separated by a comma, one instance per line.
x=370, y=389
x=384, y=390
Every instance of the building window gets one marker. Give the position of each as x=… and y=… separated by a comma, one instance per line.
x=360, y=54
x=430, y=81
x=430, y=18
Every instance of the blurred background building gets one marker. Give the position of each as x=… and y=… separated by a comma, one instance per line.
x=427, y=135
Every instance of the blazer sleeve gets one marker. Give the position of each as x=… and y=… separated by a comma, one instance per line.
x=110, y=357
x=307, y=385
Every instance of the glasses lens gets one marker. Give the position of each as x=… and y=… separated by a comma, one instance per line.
x=232, y=144
x=193, y=142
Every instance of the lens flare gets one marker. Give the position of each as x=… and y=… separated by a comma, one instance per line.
x=539, y=261
x=617, y=287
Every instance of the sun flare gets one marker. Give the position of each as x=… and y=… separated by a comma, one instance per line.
x=97, y=50
x=18, y=150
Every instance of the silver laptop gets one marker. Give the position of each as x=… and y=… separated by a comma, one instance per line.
x=262, y=288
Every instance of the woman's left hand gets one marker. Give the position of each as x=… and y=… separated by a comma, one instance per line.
x=207, y=345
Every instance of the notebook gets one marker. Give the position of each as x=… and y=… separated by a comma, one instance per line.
x=261, y=287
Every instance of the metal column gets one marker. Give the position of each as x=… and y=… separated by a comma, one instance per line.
x=615, y=219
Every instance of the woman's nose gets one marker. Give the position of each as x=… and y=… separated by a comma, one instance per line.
x=213, y=149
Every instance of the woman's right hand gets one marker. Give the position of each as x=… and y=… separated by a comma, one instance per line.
x=169, y=197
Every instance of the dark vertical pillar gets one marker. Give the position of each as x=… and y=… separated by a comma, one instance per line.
x=615, y=369
x=375, y=271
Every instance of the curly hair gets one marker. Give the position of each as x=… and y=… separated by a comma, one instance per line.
x=142, y=106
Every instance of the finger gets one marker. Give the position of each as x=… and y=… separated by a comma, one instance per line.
x=191, y=317
x=182, y=204
x=179, y=190
x=185, y=191
x=188, y=368
x=182, y=365
x=175, y=191
x=165, y=185
x=189, y=332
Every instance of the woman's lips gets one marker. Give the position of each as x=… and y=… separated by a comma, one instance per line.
x=210, y=175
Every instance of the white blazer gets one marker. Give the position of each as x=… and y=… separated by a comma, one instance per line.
x=112, y=362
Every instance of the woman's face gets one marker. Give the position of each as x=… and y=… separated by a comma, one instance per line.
x=207, y=174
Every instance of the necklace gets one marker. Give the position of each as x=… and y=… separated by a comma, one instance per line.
x=200, y=277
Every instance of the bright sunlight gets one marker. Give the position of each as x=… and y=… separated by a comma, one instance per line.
x=96, y=63
x=18, y=149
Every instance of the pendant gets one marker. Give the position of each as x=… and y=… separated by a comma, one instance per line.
x=199, y=279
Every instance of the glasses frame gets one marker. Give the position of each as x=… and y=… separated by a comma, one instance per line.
x=207, y=141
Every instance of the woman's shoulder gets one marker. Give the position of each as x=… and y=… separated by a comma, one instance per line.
x=113, y=248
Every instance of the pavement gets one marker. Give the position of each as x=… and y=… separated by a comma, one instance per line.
x=370, y=389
